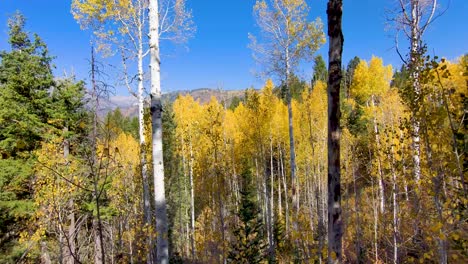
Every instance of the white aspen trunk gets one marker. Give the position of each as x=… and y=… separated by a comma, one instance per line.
x=98, y=254
x=69, y=257
x=236, y=180
x=141, y=132
x=184, y=169
x=192, y=203
x=266, y=204
x=127, y=226
x=376, y=225
x=162, y=244
x=391, y=157
x=308, y=195
x=320, y=213
x=71, y=235
x=357, y=205
x=266, y=197
x=415, y=39
x=285, y=187
x=271, y=205
x=259, y=195
x=379, y=162
x=395, y=214
x=292, y=152
x=278, y=172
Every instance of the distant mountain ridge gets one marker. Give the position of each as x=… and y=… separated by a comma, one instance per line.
x=129, y=104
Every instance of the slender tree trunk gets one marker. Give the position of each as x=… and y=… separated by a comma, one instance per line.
x=69, y=257
x=335, y=222
x=321, y=230
x=141, y=133
x=270, y=208
x=285, y=187
x=60, y=240
x=376, y=223
x=395, y=210
x=379, y=162
x=292, y=152
x=99, y=254
x=278, y=164
x=192, y=203
x=45, y=257
x=414, y=65
x=71, y=235
x=357, y=209
x=162, y=244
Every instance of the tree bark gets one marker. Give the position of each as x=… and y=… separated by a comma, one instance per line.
x=285, y=187
x=335, y=223
x=70, y=257
x=162, y=244
x=292, y=151
x=45, y=257
x=99, y=254
x=192, y=204
x=379, y=161
x=414, y=66
x=141, y=134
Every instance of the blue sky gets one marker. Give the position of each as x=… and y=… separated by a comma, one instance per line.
x=218, y=54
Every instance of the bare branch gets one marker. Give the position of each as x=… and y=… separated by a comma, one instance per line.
x=125, y=72
x=398, y=50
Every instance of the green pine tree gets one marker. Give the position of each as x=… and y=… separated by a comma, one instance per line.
x=320, y=70
x=33, y=106
x=25, y=80
x=249, y=244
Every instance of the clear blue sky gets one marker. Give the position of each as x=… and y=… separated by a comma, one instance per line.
x=218, y=54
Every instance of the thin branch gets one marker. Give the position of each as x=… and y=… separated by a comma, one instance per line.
x=127, y=82
x=63, y=177
x=398, y=50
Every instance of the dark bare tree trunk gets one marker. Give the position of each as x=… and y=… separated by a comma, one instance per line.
x=99, y=255
x=335, y=222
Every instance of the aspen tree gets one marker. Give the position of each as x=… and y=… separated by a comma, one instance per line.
x=286, y=39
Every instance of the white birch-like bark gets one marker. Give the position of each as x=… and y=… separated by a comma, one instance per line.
x=415, y=41
x=285, y=187
x=379, y=162
x=141, y=132
x=292, y=151
x=395, y=210
x=376, y=225
x=414, y=20
x=278, y=172
x=162, y=244
x=192, y=203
